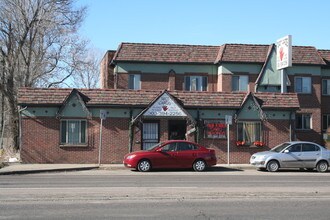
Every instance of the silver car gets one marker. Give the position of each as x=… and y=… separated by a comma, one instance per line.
x=295, y=154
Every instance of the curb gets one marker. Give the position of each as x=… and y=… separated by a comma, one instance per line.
x=13, y=172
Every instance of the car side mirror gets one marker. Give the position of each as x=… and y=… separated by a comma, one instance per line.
x=159, y=150
x=286, y=151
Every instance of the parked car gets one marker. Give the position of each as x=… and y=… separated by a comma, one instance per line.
x=172, y=154
x=295, y=154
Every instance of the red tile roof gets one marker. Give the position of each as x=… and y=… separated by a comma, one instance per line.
x=306, y=55
x=241, y=53
x=245, y=53
x=102, y=97
x=173, y=53
x=325, y=54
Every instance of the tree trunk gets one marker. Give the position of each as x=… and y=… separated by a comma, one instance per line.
x=13, y=133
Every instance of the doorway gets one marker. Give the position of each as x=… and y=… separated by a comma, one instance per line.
x=177, y=129
x=150, y=135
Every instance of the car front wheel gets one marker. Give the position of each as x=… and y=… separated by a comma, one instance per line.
x=144, y=166
x=199, y=165
x=273, y=166
x=322, y=166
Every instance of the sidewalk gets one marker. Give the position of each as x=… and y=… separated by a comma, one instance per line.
x=17, y=168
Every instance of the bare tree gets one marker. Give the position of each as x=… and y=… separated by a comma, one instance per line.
x=38, y=47
x=87, y=75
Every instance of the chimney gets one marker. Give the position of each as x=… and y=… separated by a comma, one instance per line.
x=107, y=70
x=171, y=80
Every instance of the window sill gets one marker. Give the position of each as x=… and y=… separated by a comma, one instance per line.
x=71, y=145
x=303, y=130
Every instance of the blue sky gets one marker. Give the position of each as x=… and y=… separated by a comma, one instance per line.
x=206, y=22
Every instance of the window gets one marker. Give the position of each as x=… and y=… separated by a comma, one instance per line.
x=310, y=147
x=73, y=132
x=326, y=87
x=303, y=85
x=169, y=147
x=303, y=121
x=195, y=83
x=295, y=148
x=134, y=81
x=216, y=129
x=240, y=83
x=326, y=122
x=182, y=146
x=249, y=132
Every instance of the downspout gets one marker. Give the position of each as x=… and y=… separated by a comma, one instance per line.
x=197, y=136
x=290, y=125
x=20, y=127
x=130, y=131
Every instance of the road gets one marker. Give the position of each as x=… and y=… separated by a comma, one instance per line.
x=124, y=194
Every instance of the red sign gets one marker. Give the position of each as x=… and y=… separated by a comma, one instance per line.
x=215, y=129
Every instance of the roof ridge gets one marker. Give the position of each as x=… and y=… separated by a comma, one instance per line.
x=169, y=44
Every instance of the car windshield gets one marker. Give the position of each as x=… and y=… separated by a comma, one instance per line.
x=280, y=147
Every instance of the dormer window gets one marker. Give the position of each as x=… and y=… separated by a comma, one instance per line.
x=195, y=83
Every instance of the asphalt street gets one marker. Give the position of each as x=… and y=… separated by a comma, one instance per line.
x=125, y=194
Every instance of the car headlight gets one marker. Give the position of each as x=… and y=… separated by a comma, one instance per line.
x=130, y=157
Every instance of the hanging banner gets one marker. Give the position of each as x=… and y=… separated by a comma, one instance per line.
x=284, y=52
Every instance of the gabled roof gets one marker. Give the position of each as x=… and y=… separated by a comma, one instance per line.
x=81, y=99
x=202, y=54
x=257, y=103
x=168, y=105
x=325, y=54
x=136, y=98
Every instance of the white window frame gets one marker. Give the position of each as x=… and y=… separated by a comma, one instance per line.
x=244, y=124
x=80, y=143
x=303, y=124
x=243, y=83
x=327, y=85
x=306, y=85
x=136, y=81
x=199, y=86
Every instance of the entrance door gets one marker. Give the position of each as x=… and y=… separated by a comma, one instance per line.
x=177, y=129
x=150, y=135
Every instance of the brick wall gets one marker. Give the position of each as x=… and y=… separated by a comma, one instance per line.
x=107, y=71
x=224, y=83
x=41, y=137
x=152, y=81
x=310, y=104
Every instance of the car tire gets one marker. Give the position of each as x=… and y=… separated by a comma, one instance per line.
x=273, y=166
x=322, y=166
x=199, y=165
x=144, y=166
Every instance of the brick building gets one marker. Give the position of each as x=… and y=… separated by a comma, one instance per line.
x=155, y=92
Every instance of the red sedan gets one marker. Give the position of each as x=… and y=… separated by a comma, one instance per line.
x=172, y=154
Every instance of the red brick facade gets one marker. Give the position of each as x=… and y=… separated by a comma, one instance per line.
x=45, y=147
x=115, y=141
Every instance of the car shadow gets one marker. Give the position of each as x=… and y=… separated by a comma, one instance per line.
x=292, y=170
x=210, y=169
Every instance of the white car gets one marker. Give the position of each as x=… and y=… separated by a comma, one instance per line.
x=295, y=154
